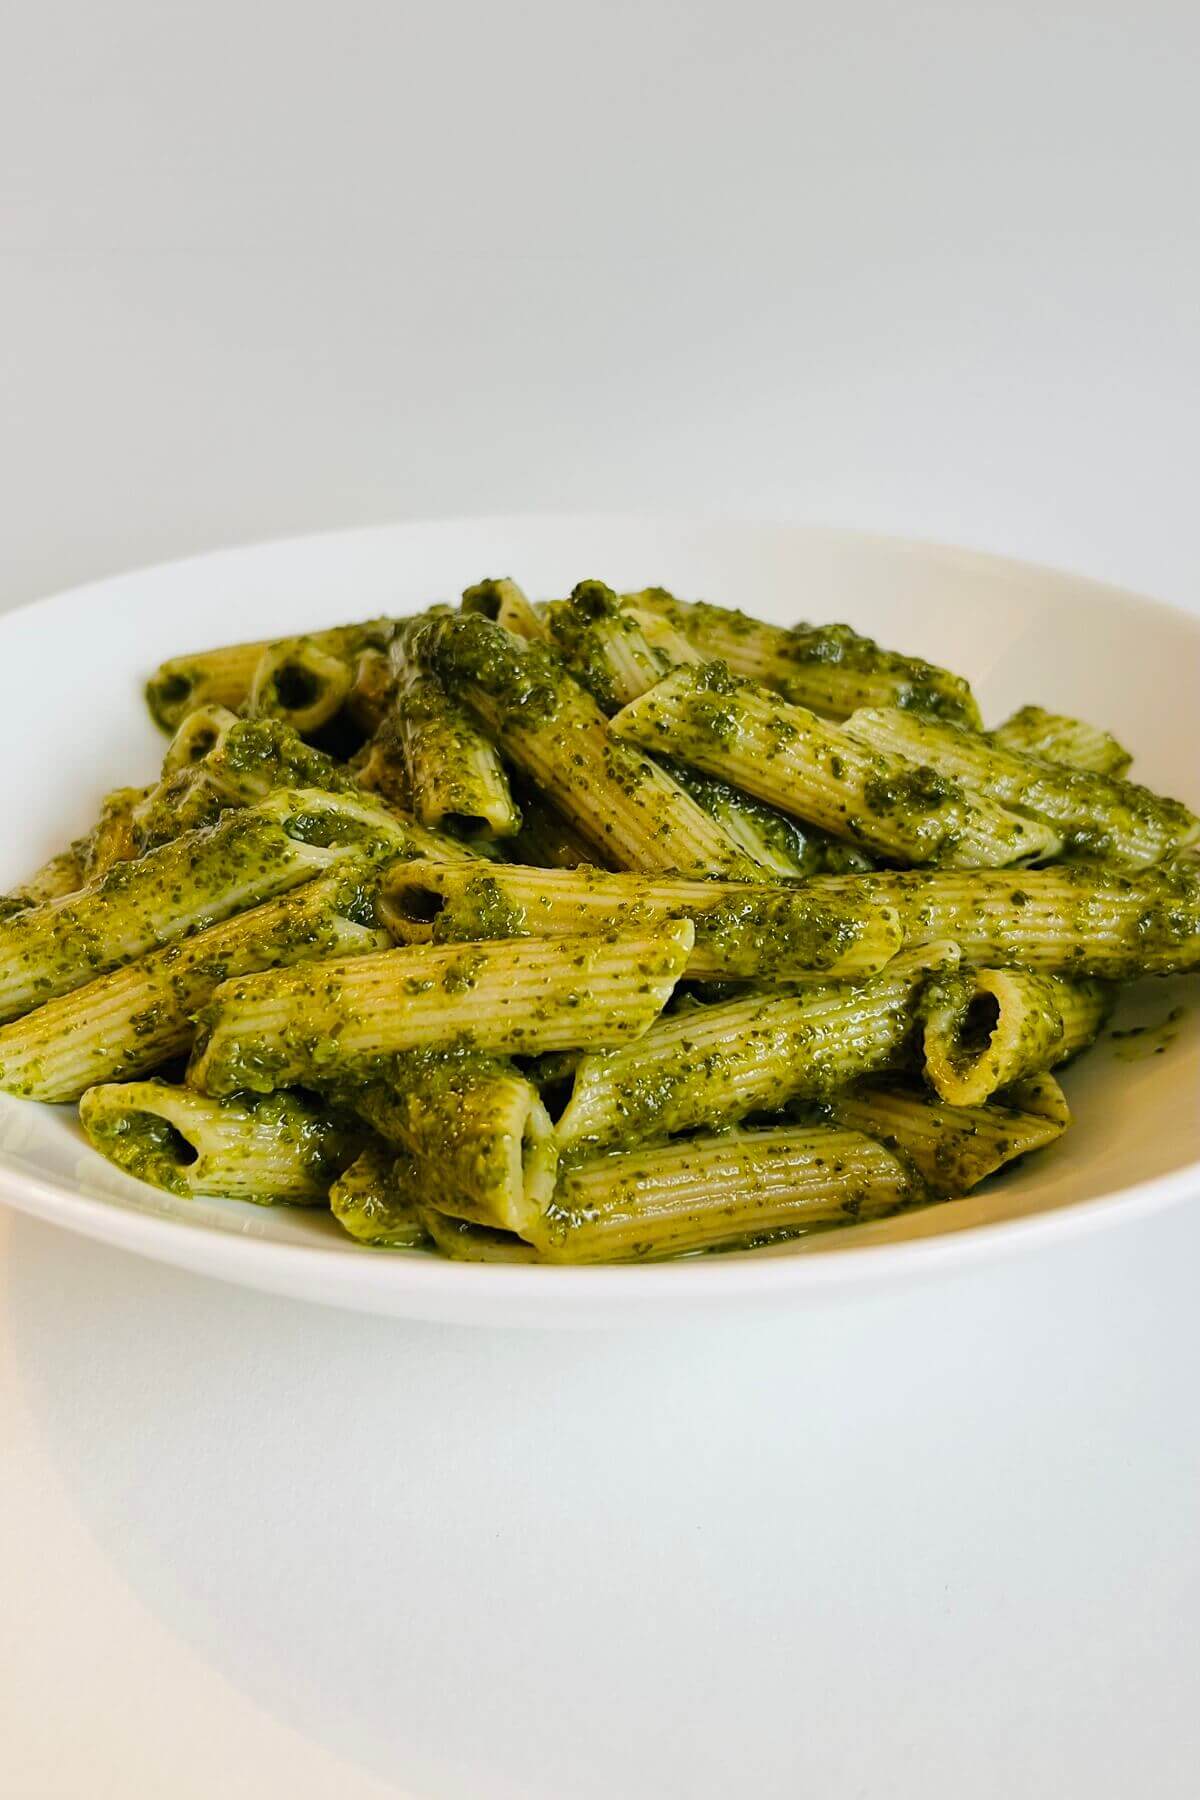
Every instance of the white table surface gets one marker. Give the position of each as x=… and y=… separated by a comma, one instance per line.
x=270, y=267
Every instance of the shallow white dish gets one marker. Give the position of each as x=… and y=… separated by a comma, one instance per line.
x=73, y=725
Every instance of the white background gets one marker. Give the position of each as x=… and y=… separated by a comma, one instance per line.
x=271, y=266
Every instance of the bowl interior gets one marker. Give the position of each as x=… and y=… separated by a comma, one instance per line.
x=73, y=726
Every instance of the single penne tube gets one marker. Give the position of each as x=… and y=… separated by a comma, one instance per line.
x=193, y=881
x=732, y=1190
x=224, y=676
x=829, y=668
x=629, y=808
x=297, y=681
x=1075, y=920
x=132, y=1020
x=376, y=1199
x=792, y=759
x=742, y=930
x=1035, y=732
x=454, y=772
x=987, y=1028
x=347, y=1020
x=114, y=835
x=266, y=1148
x=603, y=645
x=479, y=1131
x=714, y=1065
x=197, y=736
x=505, y=604
x=462, y=1241
x=953, y=1148
x=769, y=838
x=1096, y=816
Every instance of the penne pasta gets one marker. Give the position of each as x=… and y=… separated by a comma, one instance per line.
x=603, y=645
x=299, y=682
x=715, y=1065
x=224, y=677
x=828, y=668
x=953, y=1148
x=1066, y=920
x=1034, y=732
x=198, y=734
x=377, y=1199
x=620, y=800
x=347, y=1020
x=129, y=1022
x=194, y=881
x=987, y=1028
x=265, y=1148
x=461, y=1241
x=371, y=691
x=114, y=836
x=504, y=604
x=453, y=770
x=482, y=1139
x=885, y=804
x=1097, y=817
x=742, y=930
x=770, y=839
x=734, y=1190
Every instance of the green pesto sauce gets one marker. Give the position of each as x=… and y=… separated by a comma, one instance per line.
x=585, y=629
x=480, y=910
x=525, y=679
x=910, y=792
x=267, y=753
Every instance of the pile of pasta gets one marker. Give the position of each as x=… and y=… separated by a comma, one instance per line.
x=611, y=927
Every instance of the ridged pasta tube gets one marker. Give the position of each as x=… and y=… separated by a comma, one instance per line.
x=771, y=839
x=603, y=645
x=1096, y=816
x=297, y=681
x=1035, y=732
x=505, y=604
x=375, y=1200
x=552, y=729
x=714, y=1065
x=454, y=772
x=134, y=1019
x=482, y=1138
x=267, y=1148
x=338, y=1020
x=829, y=668
x=734, y=1190
x=194, y=881
x=1071, y=920
x=792, y=759
x=742, y=930
x=953, y=1148
x=986, y=1028
x=224, y=676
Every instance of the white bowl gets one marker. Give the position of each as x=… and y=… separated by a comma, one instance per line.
x=73, y=725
